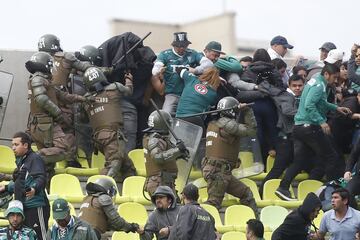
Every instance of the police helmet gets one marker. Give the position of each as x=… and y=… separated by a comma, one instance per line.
x=228, y=102
x=157, y=124
x=90, y=54
x=94, y=79
x=39, y=62
x=49, y=43
x=108, y=186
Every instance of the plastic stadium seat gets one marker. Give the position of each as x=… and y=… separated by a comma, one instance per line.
x=269, y=163
x=237, y=216
x=125, y=236
x=7, y=160
x=133, y=189
x=194, y=174
x=233, y=236
x=51, y=219
x=118, y=198
x=269, y=194
x=137, y=157
x=273, y=216
x=254, y=189
x=247, y=159
x=228, y=200
x=317, y=220
x=308, y=186
x=98, y=160
x=133, y=212
x=60, y=167
x=66, y=186
x=267, y=235
x=215, y=213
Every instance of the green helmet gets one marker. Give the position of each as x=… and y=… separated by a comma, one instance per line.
x=90, y=54
x=157, y=124
x=94, y=79
x=108, y=186
x=39, y=62
x=49, y=43
x=228, y=102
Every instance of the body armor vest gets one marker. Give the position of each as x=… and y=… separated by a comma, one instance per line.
x=152, y=167
x=61, y=70
x=91, y=211
x=50, y=92
x=221, y=146
x=106, y=111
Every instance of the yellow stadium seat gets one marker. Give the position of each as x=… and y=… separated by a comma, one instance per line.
x=254, y=189
x=228, y=200
x=218, y=223
x=273, y=216
x=317, y=220
x=237, y=216
x=66, y=186
x=133, y=212
x=60, y=167
x=51, y=219
x=233, y=236
x=194, y=174
x=98, y=160
x=269, y=163
x=133, y=189
x=270, y=187
x=308, y=186
x=267, y=235
x=85, y=169
x=118, y=198
x=137, y=157
x=7, y=160
x=246, y=158
x=125, y=236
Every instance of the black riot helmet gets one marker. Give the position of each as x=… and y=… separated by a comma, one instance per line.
x=228, y=102
x=157, y=124
x=94, y=79
x=102, y=185
x=39, y=62
x=90, y=54
x=49, y=43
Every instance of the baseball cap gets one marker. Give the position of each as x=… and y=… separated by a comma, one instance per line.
x=15, y=206
x=180, y=39
x=191, y=192
x=60, y=209
x=280, y=40
x=334, y=56
x=214, y=46
x=328, y=46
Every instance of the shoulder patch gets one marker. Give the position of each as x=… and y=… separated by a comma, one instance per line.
x=311, y=82
x=201, y=88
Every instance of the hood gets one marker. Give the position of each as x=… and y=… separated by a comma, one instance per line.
x=310, y=203
x=164, y=190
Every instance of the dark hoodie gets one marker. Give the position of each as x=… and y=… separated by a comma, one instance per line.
x=297, y=223
x=160, y=218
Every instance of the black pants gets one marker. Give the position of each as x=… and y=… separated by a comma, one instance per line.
x=284, y=157
x=37, y=219
x=309, y=139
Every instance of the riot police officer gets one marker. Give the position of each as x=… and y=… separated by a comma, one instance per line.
x=106, y=120
x=160, y=153
x=45, y=115
x=64, y=64
x=90, y=54
x=222, y=149
x=99, y=211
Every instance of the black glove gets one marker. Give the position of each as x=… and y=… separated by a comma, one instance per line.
x=134, y=227
x=62, y=119
x=179, y=69
x=181, y=146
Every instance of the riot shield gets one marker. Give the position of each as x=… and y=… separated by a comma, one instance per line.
x=250, y=157
x=190, y=134
x=6, y=80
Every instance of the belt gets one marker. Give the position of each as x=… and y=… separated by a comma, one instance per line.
x=223, y=166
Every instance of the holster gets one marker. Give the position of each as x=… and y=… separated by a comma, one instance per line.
x=45, y=127
x=222, y=165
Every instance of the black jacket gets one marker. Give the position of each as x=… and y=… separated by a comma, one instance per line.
x=193, y=223
x=297, y=223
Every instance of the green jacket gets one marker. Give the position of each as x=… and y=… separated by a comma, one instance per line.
x=24, y=233
x=313, y=103
x=78, y=230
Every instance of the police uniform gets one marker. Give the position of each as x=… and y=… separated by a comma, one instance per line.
x=98, y=210
x=222, y=141
x=44, y=119
x=64, y=64
x=160, y=161
x=106, y=121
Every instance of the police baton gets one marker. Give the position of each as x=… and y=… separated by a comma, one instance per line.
x=5, y=139
x=131, y=49
x=215, y=111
